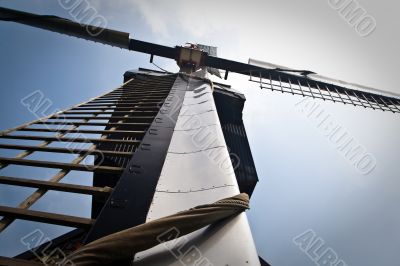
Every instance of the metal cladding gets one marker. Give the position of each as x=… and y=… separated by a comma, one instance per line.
x=230, y=105
x=129, y=203
x=198, y=170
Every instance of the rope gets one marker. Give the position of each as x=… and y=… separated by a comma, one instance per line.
x=122, y=246
x=166, y=71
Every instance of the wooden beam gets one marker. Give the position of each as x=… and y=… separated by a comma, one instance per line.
x=64, y=166
x=46, y=217
x=85, y=131
x=102, y=117
x=123, y=97
x=66, y=150
x=116, y=107
x=67, y=139
x=18, y=262
x=23, y=182
x=63, y=123
x=110, y=112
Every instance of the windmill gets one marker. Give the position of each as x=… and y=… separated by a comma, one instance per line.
x=147, y=135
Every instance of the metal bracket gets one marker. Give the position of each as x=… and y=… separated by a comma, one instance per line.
x=191, y=57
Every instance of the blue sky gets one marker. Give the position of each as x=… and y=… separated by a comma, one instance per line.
x=305, y=183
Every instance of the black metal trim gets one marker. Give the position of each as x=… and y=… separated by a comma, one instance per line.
x=153, y=49
x=229, y=106
x=130, y=201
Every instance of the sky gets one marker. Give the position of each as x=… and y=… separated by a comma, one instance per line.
x=306, y=183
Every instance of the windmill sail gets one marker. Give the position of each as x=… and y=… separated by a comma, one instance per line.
x=352, y=93
x=270, y=76
x=68, y=27
x=88, y=32
x=308, y=84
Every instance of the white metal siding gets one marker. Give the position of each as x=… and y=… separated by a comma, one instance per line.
x=198, y=170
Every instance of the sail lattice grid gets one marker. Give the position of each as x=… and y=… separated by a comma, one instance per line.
x=308, y=87
x=108, y=128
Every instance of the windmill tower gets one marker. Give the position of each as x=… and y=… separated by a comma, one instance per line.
x=168, y=142
x=166, y=145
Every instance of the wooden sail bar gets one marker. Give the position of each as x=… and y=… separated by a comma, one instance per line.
x=123, y=116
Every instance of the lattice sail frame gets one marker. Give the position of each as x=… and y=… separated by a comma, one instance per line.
x=319, y=87
x=131, y=108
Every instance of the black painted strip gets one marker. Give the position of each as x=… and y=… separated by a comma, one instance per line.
x=130, y=201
